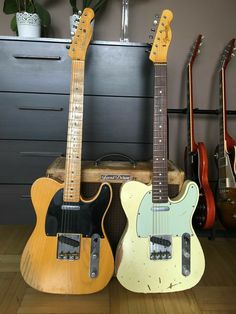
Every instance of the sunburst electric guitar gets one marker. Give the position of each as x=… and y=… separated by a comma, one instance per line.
x=68, y=251
x=196, y=160
x=159, y=251
x=226, y=192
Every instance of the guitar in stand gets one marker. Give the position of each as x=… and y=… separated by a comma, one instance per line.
x=226, y=188
x=196, y=160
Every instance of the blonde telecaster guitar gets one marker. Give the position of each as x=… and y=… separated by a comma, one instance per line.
x=159, y=250
x=68, y=251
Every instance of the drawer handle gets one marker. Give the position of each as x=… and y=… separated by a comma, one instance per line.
x=25, y=196
x=25, y=57
x=40, y=108
x=40, y=154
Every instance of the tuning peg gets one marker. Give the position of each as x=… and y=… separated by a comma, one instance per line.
x=232, y=54
x=153, y=29
x=72, y=33
x=150, y=36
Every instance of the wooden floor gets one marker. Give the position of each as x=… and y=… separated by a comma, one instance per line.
x=216, y=292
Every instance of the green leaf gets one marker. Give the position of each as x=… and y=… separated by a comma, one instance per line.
x=10, y=7
x=99, y=4
x=74, y=7
x=43, y=15
x=13, y=24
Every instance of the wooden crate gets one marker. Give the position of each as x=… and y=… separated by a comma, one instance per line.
x=115, y=172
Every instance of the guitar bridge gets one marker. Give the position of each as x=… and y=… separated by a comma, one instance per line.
x=68, y=246
x=160, y=247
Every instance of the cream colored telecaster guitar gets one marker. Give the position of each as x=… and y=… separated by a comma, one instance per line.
x=159, y=251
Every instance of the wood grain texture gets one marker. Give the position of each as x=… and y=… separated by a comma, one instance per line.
x=43, y=271
x=214, y=294
x=142, y=172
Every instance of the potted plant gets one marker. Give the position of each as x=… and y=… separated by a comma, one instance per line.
x=93, y=4
x=29, y=17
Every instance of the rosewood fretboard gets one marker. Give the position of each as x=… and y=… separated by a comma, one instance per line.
x=160, y=138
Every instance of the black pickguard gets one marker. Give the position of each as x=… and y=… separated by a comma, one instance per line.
x=200, y=214
x=86, y=221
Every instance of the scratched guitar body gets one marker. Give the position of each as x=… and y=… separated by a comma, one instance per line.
x=159, y=251
x=41, y=266
x=68, y=251
x=136, y=269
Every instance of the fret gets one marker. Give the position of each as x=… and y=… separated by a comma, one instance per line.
x=74, y=134
x=159, y=178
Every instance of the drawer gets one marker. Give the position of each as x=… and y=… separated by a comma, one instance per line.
x=22, y=162
x=16, y=206
x=33, y=116
x=34, y=67
x=106, y=119
x=42, y=67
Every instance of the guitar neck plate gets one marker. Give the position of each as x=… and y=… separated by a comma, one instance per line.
x=160, y=247
x=94, y=255
x=68, y=246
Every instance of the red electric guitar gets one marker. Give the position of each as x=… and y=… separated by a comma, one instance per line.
x=196, y=160
x=226, y=194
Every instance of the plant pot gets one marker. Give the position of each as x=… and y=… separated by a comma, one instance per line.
x=28, y=24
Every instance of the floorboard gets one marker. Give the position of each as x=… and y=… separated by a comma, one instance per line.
x=215, y=293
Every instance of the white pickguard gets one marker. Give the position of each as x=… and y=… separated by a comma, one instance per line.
x=134, y=268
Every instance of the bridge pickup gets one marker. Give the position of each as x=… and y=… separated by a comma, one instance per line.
x=160, y=241
x=160, y=247
x=68, y=246
x=94, y=255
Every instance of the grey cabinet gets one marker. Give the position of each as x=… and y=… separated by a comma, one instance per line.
x=34, y=98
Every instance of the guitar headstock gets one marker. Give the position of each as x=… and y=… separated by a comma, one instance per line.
x=82, y=36
x=195, y=49
x=162, y=38
x=227, y=54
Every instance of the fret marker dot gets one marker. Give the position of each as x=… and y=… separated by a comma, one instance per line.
x=159, y=174
x=163, y=158
x=160, y=126
x=159, y=190
x=160, y=141
x=160, y=183
x=160, y=92
x=160, y=110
